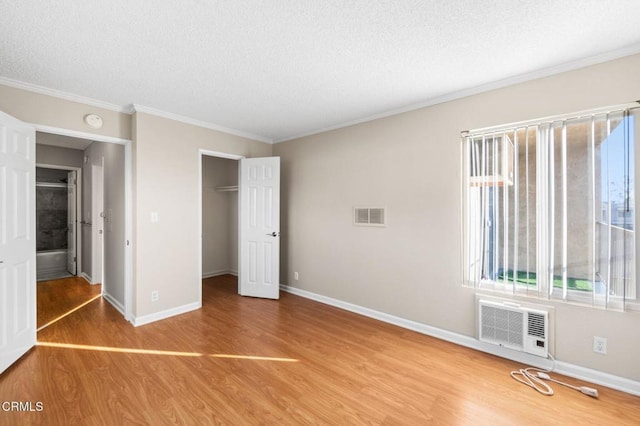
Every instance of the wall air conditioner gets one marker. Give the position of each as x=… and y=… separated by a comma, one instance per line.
x=512, y=326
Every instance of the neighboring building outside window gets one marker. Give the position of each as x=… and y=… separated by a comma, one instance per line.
x=549, y=208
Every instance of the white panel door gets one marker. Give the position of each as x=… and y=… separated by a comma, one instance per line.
x=71, y=223
x=259, y=227
x=17, y=240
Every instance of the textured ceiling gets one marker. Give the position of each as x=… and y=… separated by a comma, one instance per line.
x=279, y=69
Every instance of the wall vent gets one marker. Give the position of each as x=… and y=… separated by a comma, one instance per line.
x=369, y=216
x=514, y=327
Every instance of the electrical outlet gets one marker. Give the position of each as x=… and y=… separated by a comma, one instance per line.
x=600, y=345
x=154, y=296
x=296, y=276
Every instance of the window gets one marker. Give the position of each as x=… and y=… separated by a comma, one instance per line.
x=549, y=208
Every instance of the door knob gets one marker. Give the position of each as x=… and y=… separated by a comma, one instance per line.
x=274, y=234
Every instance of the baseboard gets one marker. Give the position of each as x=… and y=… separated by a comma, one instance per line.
x=218, y=273
x=88, y=278
x=571, y=370
x=119, y=306
x=598, y=377
x=157, y=316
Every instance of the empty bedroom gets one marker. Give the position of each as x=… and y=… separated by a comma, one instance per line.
x=340, y=212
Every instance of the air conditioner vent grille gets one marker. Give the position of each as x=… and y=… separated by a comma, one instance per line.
x=376, y=216
x=536, y=325
x=369, y=216
x=362, y=216
x=502, y=326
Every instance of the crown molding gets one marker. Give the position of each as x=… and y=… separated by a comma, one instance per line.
x=199, y=123
x=61, y=95
x=522, y=78
x=126, y=109
x=130, y=109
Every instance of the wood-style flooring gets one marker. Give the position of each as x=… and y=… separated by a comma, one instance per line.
x=58, y=297
x=244, y=361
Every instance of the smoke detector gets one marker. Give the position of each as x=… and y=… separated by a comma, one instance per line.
x=93, y=120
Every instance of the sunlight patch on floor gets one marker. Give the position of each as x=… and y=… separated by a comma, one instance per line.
x=160, y=352
x=66, y=314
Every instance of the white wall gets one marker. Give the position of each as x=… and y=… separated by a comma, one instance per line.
x=114, y=208
x=165, y=154
x=219, y=216
x=410, y=163
x=166, y=253
x=55, y=155
x=47, y=110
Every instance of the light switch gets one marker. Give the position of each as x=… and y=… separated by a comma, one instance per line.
x=154, y=217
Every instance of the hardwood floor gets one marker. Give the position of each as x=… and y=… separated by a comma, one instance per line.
x=294, y=361
x=57, y=297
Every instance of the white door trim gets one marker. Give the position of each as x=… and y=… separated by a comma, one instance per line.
x=219, y=154
x=79, y=134
x=128, y=229
x=97, y=220
x=206, y=153
x=128, y=202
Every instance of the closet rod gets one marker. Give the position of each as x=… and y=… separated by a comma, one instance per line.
x=51, y=185
x=226, y=188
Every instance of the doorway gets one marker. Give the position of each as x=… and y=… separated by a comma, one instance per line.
x=18, y=248
x=257, y=217
x=58, y=241
x=219, y=210
x=101, y=217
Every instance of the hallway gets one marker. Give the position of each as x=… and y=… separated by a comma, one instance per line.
x=57, y=297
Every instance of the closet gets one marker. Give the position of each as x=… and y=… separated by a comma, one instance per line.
x=219, y=216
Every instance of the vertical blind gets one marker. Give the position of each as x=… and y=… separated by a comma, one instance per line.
x=549, y=208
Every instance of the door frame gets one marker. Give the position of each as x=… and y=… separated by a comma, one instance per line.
x=78, y=171
x=128, y=203
x=201, y=154
x=97, y=221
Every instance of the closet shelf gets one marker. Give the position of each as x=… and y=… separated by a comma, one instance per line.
x=227, y=188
